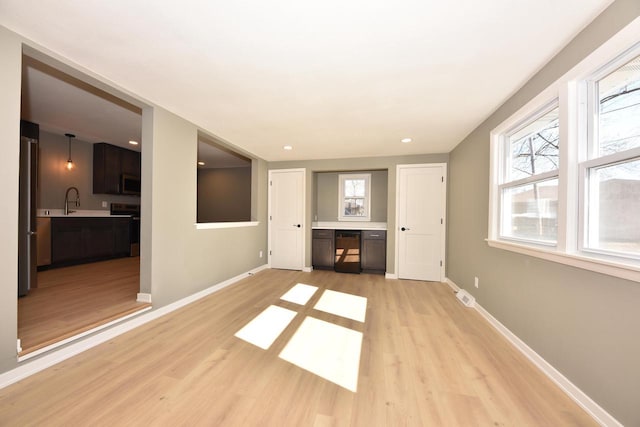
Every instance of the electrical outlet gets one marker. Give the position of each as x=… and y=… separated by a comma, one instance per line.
x=105, y=204
x=260, y=254
x=476, y=283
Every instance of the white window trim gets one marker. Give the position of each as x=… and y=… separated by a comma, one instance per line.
x=599, y=265
x=497, y=163
x=573, y=163
x=589, y=156
x=505, y=163
x=367, y=199
x=584, y=168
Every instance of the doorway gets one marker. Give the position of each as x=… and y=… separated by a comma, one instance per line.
x=88, y=271
x=286, y=218
x=420, y=212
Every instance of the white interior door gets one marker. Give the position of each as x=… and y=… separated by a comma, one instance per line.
x=420, y=215
x=286, y=218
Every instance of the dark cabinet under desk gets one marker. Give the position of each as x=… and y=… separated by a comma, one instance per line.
x=374, y=251
x=370, y=249
x=322, y=251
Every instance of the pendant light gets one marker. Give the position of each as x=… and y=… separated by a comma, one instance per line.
x=69, y=162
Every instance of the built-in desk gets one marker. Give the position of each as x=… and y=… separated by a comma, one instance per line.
x=348, y=225
x=373, y=245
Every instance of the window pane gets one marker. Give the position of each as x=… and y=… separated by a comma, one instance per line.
x=354, y=207
x=534, y=148
x=531, y=211
x=354, y=197
x=614, y=208
x=619, y=111
x=354, y=187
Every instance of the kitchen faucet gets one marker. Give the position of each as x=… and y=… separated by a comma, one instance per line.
x=67, y=211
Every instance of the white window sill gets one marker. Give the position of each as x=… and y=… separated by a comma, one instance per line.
x=611, y=268
x=213, y=225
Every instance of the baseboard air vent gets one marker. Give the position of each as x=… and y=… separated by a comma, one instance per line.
x=466, y=298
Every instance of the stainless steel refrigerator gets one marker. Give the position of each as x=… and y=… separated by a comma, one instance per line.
x=27, y=243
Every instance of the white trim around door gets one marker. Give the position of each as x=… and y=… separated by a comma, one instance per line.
x=286, y=216
x=421, y=222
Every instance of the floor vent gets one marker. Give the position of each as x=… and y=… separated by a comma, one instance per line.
x=466, y=298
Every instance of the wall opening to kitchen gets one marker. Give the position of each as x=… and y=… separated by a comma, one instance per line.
x=224, y=183
x=80, y=176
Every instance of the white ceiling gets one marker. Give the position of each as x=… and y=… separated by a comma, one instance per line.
x=215, y=156
x=61, y=104
x=333, y=78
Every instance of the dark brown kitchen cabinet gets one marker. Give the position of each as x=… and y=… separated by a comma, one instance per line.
x=67, y=243
x=130, y=162
x=107, y=168
x=109, y=164
x=77, y=240
x=374, y=251
x=322, y=249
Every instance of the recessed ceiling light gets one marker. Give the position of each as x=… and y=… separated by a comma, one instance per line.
x=200, y=163
x=132, y=142
x=406, y=140
x=288, y=147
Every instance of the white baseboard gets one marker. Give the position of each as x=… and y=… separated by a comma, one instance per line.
x=601, y=416
x=144, y=297
x=80, y=335
x=307, y=269
x=34, y=366
x=451, y=284
x=390, y=276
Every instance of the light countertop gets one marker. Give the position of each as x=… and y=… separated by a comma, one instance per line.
x=80, y=213
x=349, y=225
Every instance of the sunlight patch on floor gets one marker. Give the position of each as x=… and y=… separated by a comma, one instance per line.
x=266, y=327
x=322, y=348
x=327, y=350
x=341, y=304
x=299, y=294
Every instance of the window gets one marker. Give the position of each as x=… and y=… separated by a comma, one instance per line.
x=354, y=193
x=611, y=171
x=565, y=169
x=529, y=188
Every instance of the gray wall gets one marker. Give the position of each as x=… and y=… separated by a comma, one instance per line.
x=183, y=259
x=357, y=164
x=177, y=259
x=585, y=324
x=55, y=178
x=326, y=195
x=10, y=72
x=224, y=194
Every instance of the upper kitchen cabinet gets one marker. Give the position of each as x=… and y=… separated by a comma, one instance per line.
x=107, y=167
x=130, y=162
x=111, y=166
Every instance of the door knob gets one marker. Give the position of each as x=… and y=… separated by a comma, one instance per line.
x=405, y=228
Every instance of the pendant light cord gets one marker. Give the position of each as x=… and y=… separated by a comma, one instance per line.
x=69, y=135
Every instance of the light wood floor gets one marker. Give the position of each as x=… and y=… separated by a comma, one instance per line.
x=426, y=360
x=72, y=300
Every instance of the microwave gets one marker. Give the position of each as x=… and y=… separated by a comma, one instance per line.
x=130, y=184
